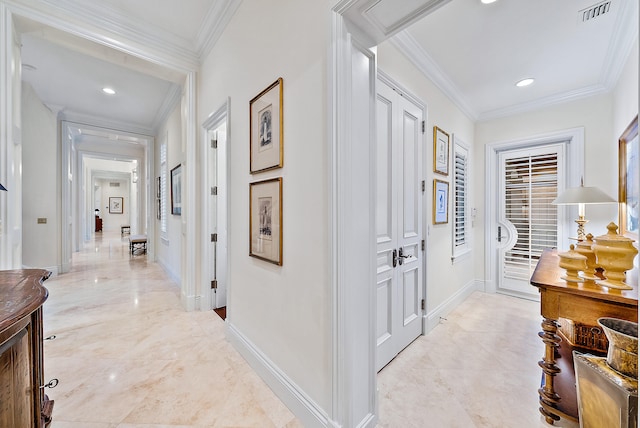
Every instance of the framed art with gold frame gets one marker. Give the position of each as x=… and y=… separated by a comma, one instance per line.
x=265, y=220
x=440, y=151
x=628, y=183
x=440, y=201
x=266, y=133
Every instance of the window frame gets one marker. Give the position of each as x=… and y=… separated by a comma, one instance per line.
x=460, y=149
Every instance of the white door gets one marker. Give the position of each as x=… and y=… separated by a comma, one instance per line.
x=527, y=222
x=218, y=213
x=398, y=223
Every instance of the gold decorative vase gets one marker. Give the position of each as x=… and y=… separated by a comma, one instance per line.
x=614, y=253
x=584, y=248
x=622, y=355
x=572, y=262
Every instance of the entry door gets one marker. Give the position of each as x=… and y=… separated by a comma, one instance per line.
x=398, y=223
x=527, y=221
x=218, y=217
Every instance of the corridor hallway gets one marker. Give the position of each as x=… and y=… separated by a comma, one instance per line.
x=128, y=356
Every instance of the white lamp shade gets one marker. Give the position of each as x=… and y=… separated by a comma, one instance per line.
x=583, y=195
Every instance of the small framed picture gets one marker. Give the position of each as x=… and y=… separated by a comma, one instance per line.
x=176, y=190
x=440, y=151
x=265, y=220
x=116, y=205
x=440, y=201
x=266, y=133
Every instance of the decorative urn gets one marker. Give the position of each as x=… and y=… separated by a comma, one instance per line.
x=622, y=355
x=614, y=253
x=572, y=262
x=585, y=248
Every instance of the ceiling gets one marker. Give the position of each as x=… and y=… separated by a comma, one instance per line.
x=474, y=52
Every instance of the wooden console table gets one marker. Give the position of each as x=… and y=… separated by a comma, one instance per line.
x=22, y=399
x=581, y=303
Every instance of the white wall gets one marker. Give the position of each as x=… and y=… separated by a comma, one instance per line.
x=283, y=311
x=169, y=247
x=113, y=221
x=625, y=95
x=40, y=185
x=445, y=280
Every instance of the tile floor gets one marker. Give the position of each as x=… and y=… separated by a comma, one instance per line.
x=128, y=356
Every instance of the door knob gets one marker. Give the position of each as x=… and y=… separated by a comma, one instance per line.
x=401, y=256
x=394, y=255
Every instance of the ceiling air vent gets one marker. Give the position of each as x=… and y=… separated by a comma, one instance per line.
x=112, y=184
x=594, y=11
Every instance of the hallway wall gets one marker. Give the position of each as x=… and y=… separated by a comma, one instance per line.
x=40, y=183
x=283, y=311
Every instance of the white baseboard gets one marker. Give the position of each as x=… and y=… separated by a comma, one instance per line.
x=442, y=310
x=303, y=407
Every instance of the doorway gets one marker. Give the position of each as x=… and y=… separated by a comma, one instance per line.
x=400, y=259
x=525, y=176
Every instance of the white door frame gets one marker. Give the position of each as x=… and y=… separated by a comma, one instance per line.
x=214, y=120
x=574, y=140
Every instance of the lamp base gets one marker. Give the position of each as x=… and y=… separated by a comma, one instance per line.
x=581, y=222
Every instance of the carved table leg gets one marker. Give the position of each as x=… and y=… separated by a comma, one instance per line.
x=548, y=397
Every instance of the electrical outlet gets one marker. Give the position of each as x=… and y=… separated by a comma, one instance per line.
x=42, y=220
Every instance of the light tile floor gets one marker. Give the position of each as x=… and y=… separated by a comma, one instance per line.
x=128, y=356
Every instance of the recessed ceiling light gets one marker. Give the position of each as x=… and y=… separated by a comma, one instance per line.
x=108, y=91
x=487, y=1
x=524, y=82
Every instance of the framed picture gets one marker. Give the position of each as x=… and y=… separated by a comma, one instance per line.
x=266, y=134
x=176, y=190
x=440, y=151
x=629, y=181
x=116, y=205
x=440, y=201
x=265, y=220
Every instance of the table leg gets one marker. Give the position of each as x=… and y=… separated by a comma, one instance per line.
x=548, y=397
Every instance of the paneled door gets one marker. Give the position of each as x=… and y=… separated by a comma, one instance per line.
x=527, y=221
x=216, y=176
x=398, y=222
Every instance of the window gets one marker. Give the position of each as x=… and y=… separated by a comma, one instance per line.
x=163, y=189
x=461, y=225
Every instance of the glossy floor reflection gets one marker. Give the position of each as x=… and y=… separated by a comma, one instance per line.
x=127, y=355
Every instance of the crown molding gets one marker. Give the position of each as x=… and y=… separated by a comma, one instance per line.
x=410, y=48
x=100, y=122
x=565, y=97
x=214, y=24
x=621, y=44
x=108, y=27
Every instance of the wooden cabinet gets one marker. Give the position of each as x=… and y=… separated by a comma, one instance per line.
x=98, y=224
x=22, y=400
x=583, y=304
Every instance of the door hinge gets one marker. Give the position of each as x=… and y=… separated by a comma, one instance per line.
x=214, y=191
x=214, y=285
x=214, y=237
x=214, y=144
x=423, y=186
x=422, y=304
x=422, y=245
x=423, y=126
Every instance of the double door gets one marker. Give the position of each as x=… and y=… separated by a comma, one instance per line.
x=399, y=222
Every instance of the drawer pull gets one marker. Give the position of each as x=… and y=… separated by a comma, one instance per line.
x=52, y=384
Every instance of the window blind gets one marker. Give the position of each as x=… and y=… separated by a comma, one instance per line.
x=460, y=202
x=163, y=188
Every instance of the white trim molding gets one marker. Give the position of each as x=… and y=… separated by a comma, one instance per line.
x=443, y=309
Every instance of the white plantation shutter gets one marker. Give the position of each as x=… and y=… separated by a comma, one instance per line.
x=531, y=183
x=163, y=189
x=460, y=200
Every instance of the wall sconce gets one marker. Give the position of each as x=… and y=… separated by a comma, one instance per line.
x=581, y=196
x=134, y=175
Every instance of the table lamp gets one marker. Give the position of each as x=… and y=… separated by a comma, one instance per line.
x=580, y=196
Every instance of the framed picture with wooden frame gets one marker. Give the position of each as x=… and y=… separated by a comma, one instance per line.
x=266, y=133
x=440, y=151
x=116, y=205
x=629, y=181
x=265, y=220
x=440, y=201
